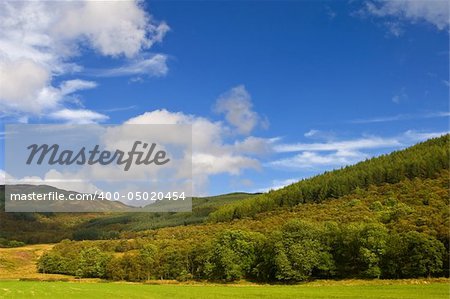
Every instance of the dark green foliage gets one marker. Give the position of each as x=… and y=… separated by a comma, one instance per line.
x=51, y=262
x=232, y=255
x=413, y=254
x=147, y=259
x=358, y=249
x=300, y=250
x=4, y=243
x=92, y=263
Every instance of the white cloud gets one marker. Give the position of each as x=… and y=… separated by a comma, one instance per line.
x=118, y=109
x=211, y=154
x=355, y=144
x=3, y=175
x=435, y=12
x=278, y=184
x=236, y=105
x=412, y=136
x=339, y=153
x=319, y=134
x=311, y=133
x=40, y=40
x=400, y=117
x=155, y=66
x=78, y=116
x=21, y=82
x=110, y=27
x=71, y=86
x=65, y=181
x=309, y=159
x=25, y=87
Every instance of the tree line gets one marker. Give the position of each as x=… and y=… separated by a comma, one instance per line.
x=298, y=251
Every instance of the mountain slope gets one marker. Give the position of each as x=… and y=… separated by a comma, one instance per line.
x=423, y=160
x=390, y=231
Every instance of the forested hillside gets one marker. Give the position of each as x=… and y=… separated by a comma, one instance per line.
x=423, y=160
x=390, y=220
x=391, y=231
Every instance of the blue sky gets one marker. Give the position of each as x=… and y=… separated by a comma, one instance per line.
x=291, y=88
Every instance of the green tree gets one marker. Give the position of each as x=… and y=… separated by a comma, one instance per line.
x=233, y=255
x=92, y=263
x=147, y=259
x=413, y=254
x=299, y=251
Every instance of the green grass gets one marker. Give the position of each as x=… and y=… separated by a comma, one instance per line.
x=39, y=289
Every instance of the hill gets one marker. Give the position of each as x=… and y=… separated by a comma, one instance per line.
x=423, y=160
x=95, y=204
x=53, y=227
x=390, y=220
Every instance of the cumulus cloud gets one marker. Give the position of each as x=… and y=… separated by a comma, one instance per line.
x=21, y=82
x=236, y=104
x=211, y=154
x=435, y=12
x=39, y=41
x=111, y=27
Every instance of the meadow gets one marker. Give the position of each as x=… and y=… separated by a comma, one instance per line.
x=19, y=279
x=343, y=289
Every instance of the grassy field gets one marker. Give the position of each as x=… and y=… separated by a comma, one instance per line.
x=40, y=289
x=19, y=263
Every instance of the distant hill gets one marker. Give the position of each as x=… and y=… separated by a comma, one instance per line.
x=97, y=205
x=201, y=208
x=53, y=227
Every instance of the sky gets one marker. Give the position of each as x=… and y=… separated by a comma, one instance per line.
x=275, y=91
